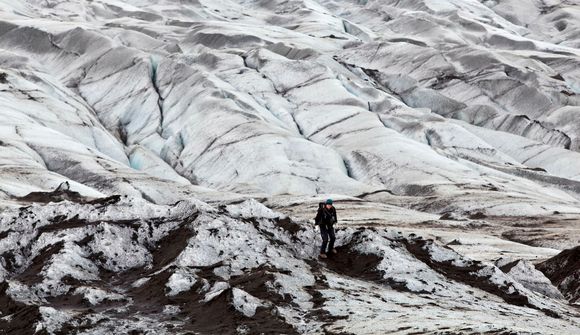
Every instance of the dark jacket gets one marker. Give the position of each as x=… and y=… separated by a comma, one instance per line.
x=324, y=216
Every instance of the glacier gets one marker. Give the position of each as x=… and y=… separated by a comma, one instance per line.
x=199, y=136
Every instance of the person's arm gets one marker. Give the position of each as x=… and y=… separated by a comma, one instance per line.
x=334, y=215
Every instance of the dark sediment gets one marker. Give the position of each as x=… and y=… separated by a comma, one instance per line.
x=465, y=274
x=63, y=193
x=563, y=270
x=23, y=317
x=318, y=300
x=288, y=225
x=32, y=273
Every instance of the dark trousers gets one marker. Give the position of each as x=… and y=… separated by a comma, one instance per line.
x=327, y=234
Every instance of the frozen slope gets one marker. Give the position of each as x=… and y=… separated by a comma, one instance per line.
x=427, y=98
x=457, y=121
x=564, y=271
x=126, y=264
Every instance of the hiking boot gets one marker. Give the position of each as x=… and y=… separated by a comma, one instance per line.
x=334, y=251
x=322, y=256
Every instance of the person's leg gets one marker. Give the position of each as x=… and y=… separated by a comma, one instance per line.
x=324, y=234
x=332, y=239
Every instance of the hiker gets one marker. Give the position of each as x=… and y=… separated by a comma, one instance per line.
x=326, y=218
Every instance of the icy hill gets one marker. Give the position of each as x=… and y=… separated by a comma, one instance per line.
x=128, y=265
x=450, y=99
x=184, y=146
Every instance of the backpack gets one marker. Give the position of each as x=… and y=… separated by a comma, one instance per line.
x=318, y=217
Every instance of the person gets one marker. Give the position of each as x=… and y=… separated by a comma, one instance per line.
x=326, y=218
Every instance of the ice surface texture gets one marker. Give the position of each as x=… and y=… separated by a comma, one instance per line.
x=156, y=120
x=126, y=264
x=467, y=102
